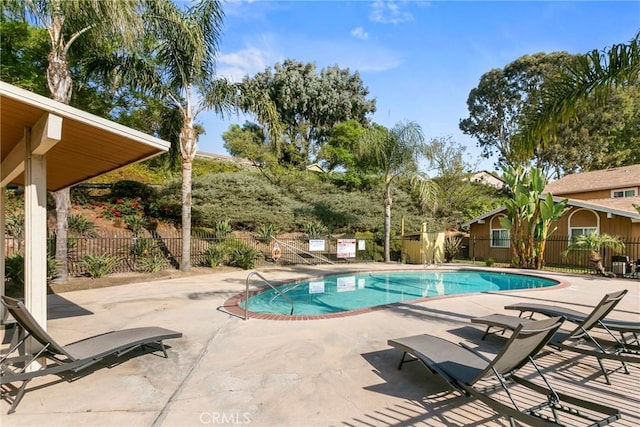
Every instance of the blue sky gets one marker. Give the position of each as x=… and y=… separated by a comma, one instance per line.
x=418, y=59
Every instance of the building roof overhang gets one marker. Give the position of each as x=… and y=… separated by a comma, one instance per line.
x=88, y=145
x=599, y=207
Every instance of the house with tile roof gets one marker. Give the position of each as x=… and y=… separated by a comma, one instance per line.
x=602, y=201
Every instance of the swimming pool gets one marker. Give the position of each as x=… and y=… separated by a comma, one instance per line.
x=347, y=292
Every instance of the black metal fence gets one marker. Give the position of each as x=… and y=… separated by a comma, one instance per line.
x=138, y=253
x=133, y=253
x=483, y=248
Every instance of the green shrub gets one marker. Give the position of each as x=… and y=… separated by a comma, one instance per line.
x=14, y=268
x=14, y=223
x=315, y=230
x=131, y=190
x=135, y=223
x=243, y=256
x=266, y=233
x=372, y=250
x=451, y=247
x=143, y=246
x=81, y=196
x=249, y=201
x=152, y=263
x=123, y=208
x=52, y=267
x=82, y=226
x=99, y=265
x=216, y=255
x=489, y=262
x=222, y=229
x=231, y=252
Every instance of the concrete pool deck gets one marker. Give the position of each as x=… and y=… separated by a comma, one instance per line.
x=329, y=372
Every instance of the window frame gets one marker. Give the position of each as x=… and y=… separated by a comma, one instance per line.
x=624, y=191
x=505, y=241
x=585, y=231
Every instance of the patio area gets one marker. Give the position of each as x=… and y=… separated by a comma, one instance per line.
x=330, y=372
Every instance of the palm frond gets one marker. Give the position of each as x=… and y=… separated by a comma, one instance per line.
x=591, y=75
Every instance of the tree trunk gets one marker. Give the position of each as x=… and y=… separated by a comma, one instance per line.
x=59, y=79
x=60, y=86
x=185, y=262
x=596, y=260
x=188, y=148
x=63, y=203
x=387, y=222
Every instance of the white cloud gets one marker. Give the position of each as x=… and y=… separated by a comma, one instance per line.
x=389, y=12
x=359, y=33
x=234, y=66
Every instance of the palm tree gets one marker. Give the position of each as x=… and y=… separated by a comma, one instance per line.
x=395, y=153
x=592, y=243
x=591, y=75
x=175, y=63
x=69, y=22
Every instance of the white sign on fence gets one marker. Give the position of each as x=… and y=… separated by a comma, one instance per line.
x=346, y=248
x=316, y=245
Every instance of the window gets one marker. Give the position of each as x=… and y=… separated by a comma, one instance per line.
x=500, y=238
x=624, y=192
x=580, y=231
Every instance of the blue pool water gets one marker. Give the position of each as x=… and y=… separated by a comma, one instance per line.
x=345, y=292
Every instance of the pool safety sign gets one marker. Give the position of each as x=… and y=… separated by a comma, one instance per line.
x=316, y=245
x=346, y=248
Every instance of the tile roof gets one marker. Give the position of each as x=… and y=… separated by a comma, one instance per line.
x=622, y=177
x=623, y=207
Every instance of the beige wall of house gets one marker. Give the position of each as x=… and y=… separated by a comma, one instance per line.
x=482, y=247
x=597, y=194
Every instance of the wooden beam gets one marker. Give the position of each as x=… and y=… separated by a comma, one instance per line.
x=13, y=164
x=45, y=133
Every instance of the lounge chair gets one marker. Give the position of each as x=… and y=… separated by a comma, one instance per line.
x=70, y=358
x=578, y=340
x=464, y=368
x=623, y=327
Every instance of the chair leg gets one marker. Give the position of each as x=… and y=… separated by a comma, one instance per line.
x=604, y=371
x=405, y=360
x=485, y=333
x=18, y=398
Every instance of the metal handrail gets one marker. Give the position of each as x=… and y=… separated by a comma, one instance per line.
x=246, y=293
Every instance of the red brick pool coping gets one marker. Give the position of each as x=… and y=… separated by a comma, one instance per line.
x=232, y=305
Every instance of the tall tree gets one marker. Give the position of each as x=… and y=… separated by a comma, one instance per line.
x=340, y=149
x=395, y=153
x=602, y=135
x=69, y=22
x=250, y=141
x=502, y=99
x=529, y=216
x=309, y=105
x=23, y=55
x=456, y=198
x=591, y=77
x=175, y=62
